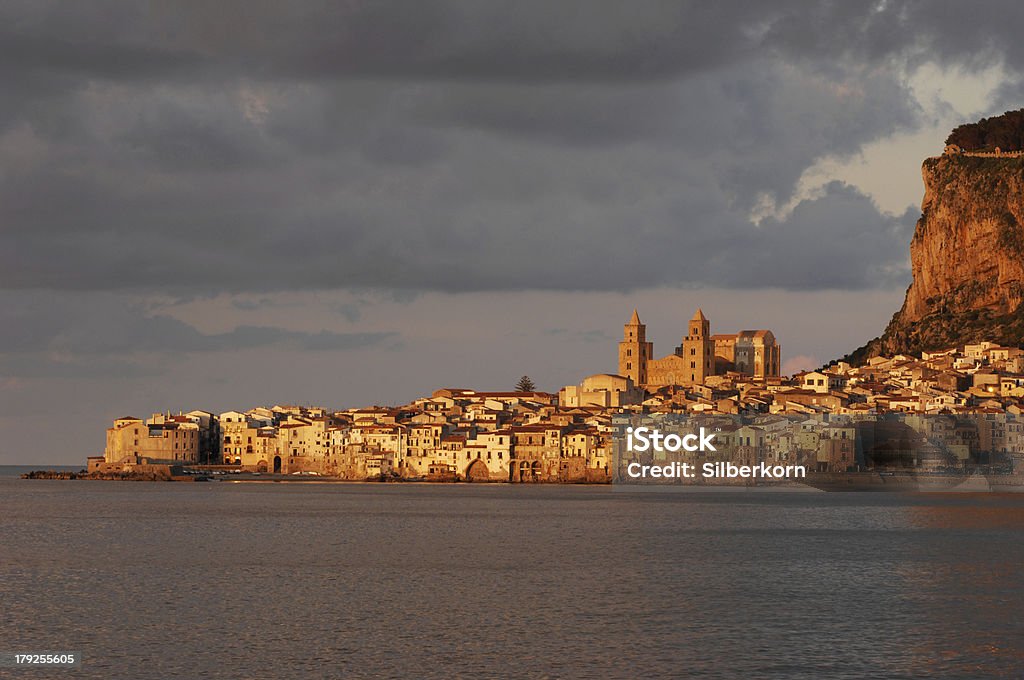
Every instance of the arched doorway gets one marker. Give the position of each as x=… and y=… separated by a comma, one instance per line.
x=477, y=472
x=277, y=464
x=524, y=471
x=261, y=466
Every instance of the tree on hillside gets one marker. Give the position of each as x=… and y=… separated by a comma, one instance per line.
x=525, y=385
x=1005, y=131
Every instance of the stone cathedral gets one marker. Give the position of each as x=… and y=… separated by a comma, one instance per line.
x=751, y=353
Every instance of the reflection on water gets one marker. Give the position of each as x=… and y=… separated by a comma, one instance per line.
x=161, y=580
x=974, y=603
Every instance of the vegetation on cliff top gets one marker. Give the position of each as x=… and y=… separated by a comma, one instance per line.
x=1005, y=132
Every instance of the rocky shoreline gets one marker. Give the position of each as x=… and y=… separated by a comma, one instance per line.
x=107, y=476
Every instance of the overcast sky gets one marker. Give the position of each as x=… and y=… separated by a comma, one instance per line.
x=219, y=205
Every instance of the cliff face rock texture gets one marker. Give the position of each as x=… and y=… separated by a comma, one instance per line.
x=967, y=257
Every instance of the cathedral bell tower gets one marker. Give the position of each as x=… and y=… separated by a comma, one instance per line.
x=698, y=350
x=635, y=351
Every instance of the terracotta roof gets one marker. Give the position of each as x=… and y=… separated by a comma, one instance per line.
x=513, y=394
x=536, y=427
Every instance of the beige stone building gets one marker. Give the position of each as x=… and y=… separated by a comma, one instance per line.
x=603, y=390
x=822, y=381
x=304, y=444
x=487, y=457
x=262, y=453
x=422, y=449
x=538, y=449
x=753, y=353
x=162, y=438
x=235, y=428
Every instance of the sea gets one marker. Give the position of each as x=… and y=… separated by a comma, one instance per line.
x=347, y=580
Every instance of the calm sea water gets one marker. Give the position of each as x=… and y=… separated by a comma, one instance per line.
x=154, y=580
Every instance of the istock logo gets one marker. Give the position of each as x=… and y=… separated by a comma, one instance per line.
x=646, y=439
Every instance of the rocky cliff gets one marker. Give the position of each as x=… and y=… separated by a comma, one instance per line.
x=967, y=257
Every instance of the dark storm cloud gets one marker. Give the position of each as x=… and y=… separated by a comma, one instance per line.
x=839, y=238
x=39, y=330
x=529, y=41
x=452, y=145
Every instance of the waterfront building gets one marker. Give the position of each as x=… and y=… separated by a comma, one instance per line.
x=161, y=438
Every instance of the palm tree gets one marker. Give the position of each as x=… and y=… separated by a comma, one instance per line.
x=525, y=385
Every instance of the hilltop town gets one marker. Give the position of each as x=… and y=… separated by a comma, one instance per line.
x=965, y=403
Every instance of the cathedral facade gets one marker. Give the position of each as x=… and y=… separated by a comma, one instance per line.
x=753, y=353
